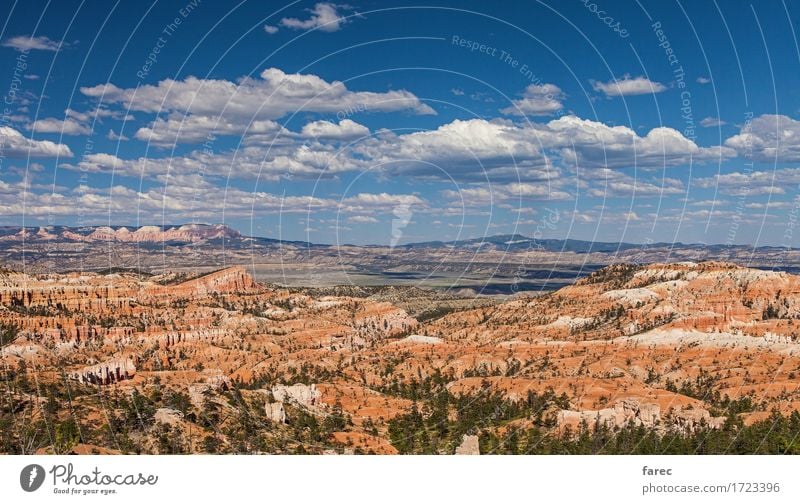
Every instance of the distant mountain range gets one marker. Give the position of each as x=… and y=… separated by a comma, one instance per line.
x=493, y=264
x=187, y=233
x=519, y=243
x=200, y=233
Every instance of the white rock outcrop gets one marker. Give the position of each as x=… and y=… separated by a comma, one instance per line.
x=690, y=420
x=168, y=416
x=632, y=411
x=299, y=393
x=469, y=446
x=623, y=412
x=275, y=412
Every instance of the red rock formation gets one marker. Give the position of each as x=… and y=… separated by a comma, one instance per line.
x=626, y=344
x=107, y=373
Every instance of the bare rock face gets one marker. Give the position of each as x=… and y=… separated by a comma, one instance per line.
x=304, y=395
x=641, y=413
x=219, y=382
x=276, y=412
x=91, y=293
x=168, y=416
x=469, y=446
x=623, y=412
x=107, y=373
x=632, y=411
x=234, y=279
x=228, y=280
x=690, y=420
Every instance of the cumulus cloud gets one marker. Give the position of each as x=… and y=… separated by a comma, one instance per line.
x=199, y=128
x=98, y=114
x=362, y=219
x=473, y=150
x=486, y=148
x=75, y=122
x=324, y=17
x=346, y=129
x=184, y=198
x=768, y=138
x=593, y=144
x=270, y=29
x=28, y=43
x=628, y=86
x=68, y=126
x=14, y=144
x=751, y=182
x=236, y=105
x=628, y=187
x=382, y=202
x=543, y=99
x=114, y=137
x=476, y=195
x=457, y=140
x=712, y=122
x=476, y=150
x=602, y=216
x=304, y=161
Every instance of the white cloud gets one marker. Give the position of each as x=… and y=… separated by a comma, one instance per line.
x=471, y=141
x=98, y=114
x=589, y=143
x=68, y=126
x=478, y=195
x=774, y=205
x=74, y=122
x=198, y=129
x=712, y=122
x=768, y=138
x=272, y=30
x=324, y=17
x=14, y=144
x=28, y=43
x=346, y=129
x=114, y=137
x=457, y=92
x=380, y=202
x=628, y=86
x=304, y=161
x=236, y=105
x=703, y=80
x=362, y=219
x=476, y=150
x=752, y=183
x=185, y=198
x=543, y=99
x=629, y=187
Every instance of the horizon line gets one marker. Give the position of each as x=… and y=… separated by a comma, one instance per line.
x=644, y=245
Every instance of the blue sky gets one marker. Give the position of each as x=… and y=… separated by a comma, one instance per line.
x=394, y=122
